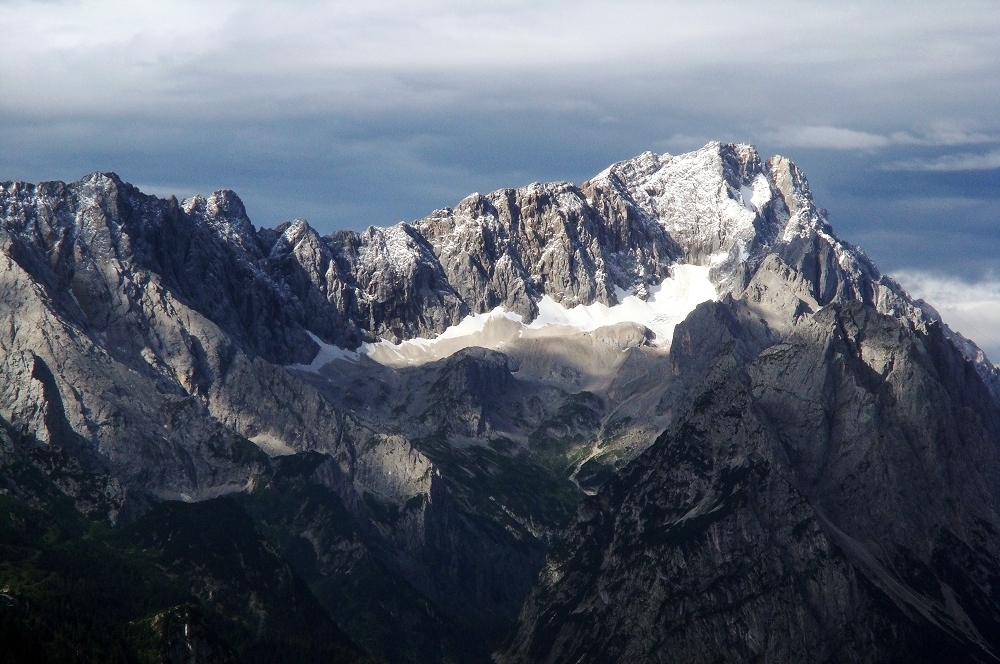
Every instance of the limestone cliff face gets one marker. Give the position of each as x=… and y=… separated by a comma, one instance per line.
x=753, y=221
x=124, y=333
x=821, y=486
x=825, y=485
x=512, y=246
x=147, y=339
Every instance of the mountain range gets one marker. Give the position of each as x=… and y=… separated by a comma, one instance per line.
x=664, y=415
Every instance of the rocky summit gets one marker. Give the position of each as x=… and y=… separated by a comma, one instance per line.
x=664, y=415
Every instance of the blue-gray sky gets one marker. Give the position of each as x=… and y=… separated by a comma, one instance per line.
x=350, y=114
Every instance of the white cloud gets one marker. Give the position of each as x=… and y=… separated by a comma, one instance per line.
x=966, y=161
x=944, y=133
x=832, y=138
x=839, y=138
x=971, y=308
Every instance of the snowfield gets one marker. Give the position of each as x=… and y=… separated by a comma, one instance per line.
x=666, y=305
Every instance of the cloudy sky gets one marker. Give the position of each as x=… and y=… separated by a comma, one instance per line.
x=351, y=114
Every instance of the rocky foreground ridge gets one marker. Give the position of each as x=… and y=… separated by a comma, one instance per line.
x=809, y=469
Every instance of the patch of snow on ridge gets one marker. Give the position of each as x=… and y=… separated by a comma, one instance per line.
x=327, y=353
x=756, y=195
x=761, y=192
x=489, y=330
x=666, y=305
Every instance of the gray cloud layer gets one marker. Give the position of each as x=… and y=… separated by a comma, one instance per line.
x=253, y=58
x=965, y=161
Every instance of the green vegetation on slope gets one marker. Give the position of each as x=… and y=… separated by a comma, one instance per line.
x=184, y=579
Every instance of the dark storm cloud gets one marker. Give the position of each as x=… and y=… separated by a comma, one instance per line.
x=352, y=114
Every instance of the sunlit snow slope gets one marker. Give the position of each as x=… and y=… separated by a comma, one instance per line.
x=666, y=305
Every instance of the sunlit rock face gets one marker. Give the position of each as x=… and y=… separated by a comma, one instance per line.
x=664, y=414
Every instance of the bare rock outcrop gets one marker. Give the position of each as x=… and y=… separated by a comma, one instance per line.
x=821, y=486
x=825, y=485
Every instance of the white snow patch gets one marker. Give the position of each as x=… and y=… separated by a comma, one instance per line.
x=744, y=254
x=761, y=192
x=489, y=330
x=667, y=305
x=327, y=353
x=756, y=195
x=718, y=258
